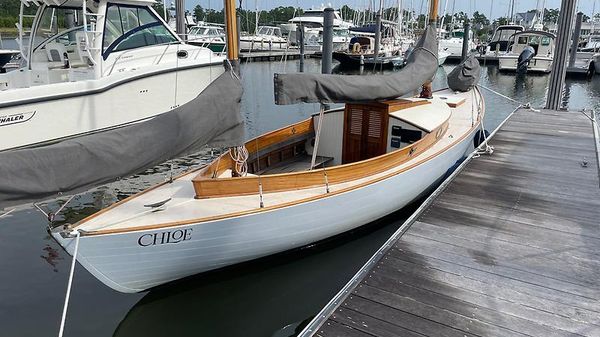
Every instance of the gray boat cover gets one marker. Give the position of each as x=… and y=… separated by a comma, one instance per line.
x=318, y=88
x=212, y=118
x=465, y=75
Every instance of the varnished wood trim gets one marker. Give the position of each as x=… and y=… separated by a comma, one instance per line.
x=224, y=162
x=214, y=188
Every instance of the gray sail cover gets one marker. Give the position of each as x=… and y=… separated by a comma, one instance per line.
x=466, y=75
x=212, y=118
x=421, y=66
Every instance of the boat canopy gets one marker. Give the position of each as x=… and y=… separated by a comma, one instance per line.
x=534, y=32
x=324, y=88
x=212, y=118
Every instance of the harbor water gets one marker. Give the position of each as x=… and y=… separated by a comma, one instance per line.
x=268, y=297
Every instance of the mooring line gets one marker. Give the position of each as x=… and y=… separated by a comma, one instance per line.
x=501, y=95
x=64, y=314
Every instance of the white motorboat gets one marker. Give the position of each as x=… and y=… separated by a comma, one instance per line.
x=105, y=66
x=312, y=22
x=592, y=45
x=529, y=51
x=499, y=42
x=266, y=38
x=6, y=55
x=453, y=42
x=331, y=173
x=208, y=35
x=442, y=57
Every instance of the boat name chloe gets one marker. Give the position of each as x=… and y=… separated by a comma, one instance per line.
x=163, y=238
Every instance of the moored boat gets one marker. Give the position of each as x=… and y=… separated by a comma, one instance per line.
x=530, y=51
x=499, y=43
x=103, y=67
x=333, y=172
x=207, y=35
x=265, y=38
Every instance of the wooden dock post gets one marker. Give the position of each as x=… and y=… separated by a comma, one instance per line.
x=559, y=66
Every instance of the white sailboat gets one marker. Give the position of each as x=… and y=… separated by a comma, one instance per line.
x=452, y=42
x=333, y=172
x=102, y=67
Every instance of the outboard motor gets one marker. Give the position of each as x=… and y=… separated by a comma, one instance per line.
x=526, y=56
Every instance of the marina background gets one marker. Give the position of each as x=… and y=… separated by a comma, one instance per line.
x=269, y=297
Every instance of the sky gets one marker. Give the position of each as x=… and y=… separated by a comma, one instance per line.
x=500, y=7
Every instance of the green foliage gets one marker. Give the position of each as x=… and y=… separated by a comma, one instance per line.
x=551, y=15
x=480, y=19
x=501, y=21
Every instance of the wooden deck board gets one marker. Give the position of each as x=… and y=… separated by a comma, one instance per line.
x=511, y=247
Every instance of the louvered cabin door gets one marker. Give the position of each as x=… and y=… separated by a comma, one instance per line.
x=365, y=133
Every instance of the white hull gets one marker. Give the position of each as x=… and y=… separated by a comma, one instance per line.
x=122, y=262
x=111, y=102
x=454, y=47
x=537, y=64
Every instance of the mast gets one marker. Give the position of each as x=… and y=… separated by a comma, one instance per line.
x=433, y=12
x=232, y=31
x=512, y=11
x=427, y=91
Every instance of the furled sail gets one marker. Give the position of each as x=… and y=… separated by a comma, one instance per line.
x=212, y=118
x=318, y=88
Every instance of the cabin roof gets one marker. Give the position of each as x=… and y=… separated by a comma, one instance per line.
x=426, y=117
x=534, y=32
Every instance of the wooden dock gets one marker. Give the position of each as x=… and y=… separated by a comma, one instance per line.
x=508, y=246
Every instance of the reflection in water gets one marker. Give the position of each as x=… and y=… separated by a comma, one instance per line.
x=52, y=256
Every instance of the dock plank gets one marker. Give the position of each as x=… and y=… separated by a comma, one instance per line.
x=510, y=247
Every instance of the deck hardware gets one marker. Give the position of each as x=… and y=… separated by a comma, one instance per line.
x=158, y=204
x=260, y=194
x=50, y=216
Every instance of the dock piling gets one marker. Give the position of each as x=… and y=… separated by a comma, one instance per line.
x=327, y=41
x=180, y=19
x=575, y=44
x=559, y=66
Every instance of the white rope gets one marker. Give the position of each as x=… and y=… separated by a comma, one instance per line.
x=64, y=314
x=489, y=150
x=501, y=95
x=240, y=157
x=7, y=213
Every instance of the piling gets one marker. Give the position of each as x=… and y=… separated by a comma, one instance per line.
x=575, y=43
x=559, y=69
x=377, y=37
x=465, y=45
x=327, y=41
x=180, y=19
x=300, y=40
